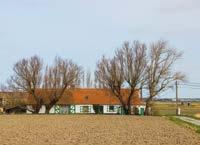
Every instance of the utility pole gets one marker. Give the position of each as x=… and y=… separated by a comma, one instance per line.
x=177, y=108
x=176, y=84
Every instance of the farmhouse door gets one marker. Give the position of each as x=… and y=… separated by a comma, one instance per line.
x=141, y=111
x=100, y=110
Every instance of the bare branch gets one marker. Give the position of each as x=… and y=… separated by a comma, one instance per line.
x=27, y=78
x=63, y=75
x=159, y=69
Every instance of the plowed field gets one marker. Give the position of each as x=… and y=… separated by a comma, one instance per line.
x=92, y=130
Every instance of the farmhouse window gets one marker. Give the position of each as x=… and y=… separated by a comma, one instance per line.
x=111, y=108
x=84, y=109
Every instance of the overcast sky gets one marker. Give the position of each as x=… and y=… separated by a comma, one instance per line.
x=84, y=30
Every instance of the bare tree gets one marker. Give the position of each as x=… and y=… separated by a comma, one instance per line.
x=159, y=70
x=83, y=80
x=63, y=76
x=88, y=79
x=109, y=73
x=126, y=69
x=133, y=62
x=96, y=83
x=27, y=78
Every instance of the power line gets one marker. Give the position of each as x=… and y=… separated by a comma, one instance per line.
x=190, y=85
x=195, y=88
x=193, y=83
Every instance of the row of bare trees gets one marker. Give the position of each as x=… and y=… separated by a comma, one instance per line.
x=133, y=66
x=138, y=65
x=30, y=77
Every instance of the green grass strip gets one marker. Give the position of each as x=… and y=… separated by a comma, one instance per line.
x=189, y=125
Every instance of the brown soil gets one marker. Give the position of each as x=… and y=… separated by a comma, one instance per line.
x=92, y=130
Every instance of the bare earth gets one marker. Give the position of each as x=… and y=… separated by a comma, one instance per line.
x=92, y=130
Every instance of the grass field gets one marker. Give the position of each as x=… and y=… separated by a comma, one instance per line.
x=93, y=129
x=169, y=109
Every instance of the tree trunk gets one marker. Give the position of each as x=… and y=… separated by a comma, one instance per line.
x=147, y=109
x=129, y=102
x=47, y=109
x=129, y=108
x=125, y=108
x=37, y=109
x=125, y=111
x=124, y=105
x=50, y=105
x=39, y=103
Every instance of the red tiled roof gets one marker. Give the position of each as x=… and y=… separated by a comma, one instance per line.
x=91, y=96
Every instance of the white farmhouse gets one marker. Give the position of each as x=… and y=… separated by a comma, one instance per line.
x=90, y=101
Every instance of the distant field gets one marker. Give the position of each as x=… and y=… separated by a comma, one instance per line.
x=169, y=108
x=92, y=130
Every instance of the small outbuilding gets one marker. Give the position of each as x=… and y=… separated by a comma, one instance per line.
x=16, y=110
